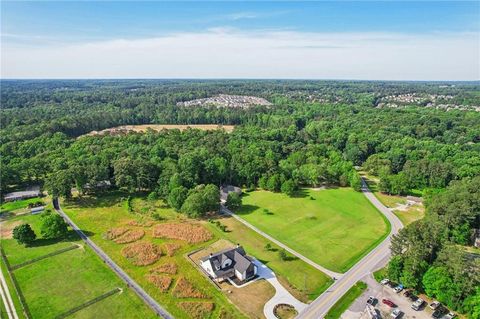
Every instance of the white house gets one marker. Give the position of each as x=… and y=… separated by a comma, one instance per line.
x=229, y=263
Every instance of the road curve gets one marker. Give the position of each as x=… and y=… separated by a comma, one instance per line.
x=320, y=306
x=159, y=310
x=330, y=273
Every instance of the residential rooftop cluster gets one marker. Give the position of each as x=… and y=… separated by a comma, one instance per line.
x=225, y=100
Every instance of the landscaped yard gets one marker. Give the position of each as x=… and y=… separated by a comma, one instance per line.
x=56, y=284
x=108, y=217
x=333, y=227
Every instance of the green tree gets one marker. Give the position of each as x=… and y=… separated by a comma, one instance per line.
x=177, y=197
x=355, y=181
x=289, y=187
x=395, y=268
x=53, y=226
x=24, y=234
x=234, y=201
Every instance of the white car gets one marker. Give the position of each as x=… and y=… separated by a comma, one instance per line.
x=434, y=305
x=396, y=313
x=418, y=304
x=398, y=289
x=385, y=281
x=450, y=315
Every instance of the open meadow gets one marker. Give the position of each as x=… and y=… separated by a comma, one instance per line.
x=333, y=227
x=57, y=276
x=153, y=251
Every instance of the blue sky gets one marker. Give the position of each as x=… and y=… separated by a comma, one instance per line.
x=30, y=29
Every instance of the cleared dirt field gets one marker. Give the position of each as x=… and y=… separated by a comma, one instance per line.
x=159, y=127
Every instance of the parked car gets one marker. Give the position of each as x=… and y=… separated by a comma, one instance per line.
x=396, y=313
x=407, y=293
x=438, y=313
x=413, y=298
x=388, y=302
x=372, y=300
x=450, y=315
x=385, y=281
x=434, y=305
x=392, y=284
x=398, y=288
x=418, y=304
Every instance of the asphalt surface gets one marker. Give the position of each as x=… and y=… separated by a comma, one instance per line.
x=330, y=273
x=159, y=310
x=377, y=258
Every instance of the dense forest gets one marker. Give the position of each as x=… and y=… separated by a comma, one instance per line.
x=316, y=132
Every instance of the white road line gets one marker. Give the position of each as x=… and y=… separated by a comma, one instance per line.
x=7, y=298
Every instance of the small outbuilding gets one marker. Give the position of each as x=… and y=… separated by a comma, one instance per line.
x=226, y=189
x=30, y=192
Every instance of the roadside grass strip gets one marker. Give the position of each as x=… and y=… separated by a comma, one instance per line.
x=21, y=297
x=347, y=299
x=89, y=303
x=34, y=260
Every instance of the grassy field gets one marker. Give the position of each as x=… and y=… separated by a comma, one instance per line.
x=341, y=305
x=59, y=283
x=406, y=215
x=333, y=227
x=98, y=215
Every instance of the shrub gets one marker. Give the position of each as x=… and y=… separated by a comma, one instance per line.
x=24, y=234
x=168, y=268
x=142, y=254
x=197, y=309
x=283, y=254
x=161, y=282
x=188, y=232
x=185, y=289
x=234, y=201
x=268, y=247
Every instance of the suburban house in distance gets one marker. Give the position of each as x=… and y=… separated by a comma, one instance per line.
x=230, y=263
x=30, y=192
x=225, y=190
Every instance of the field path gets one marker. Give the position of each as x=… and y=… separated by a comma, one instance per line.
x=330, y=273
x=156, y=307
x=377, y=258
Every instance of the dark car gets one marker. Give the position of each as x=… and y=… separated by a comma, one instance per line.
x=412, y=297
x=407, y=293
x=438, y=313
x=372, y=300
x=389, y=303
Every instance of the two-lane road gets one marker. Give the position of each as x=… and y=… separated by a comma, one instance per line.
x=159, y=310
x=320, y=306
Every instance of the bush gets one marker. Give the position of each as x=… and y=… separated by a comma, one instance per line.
x=283, y=255
x=53, y=226
x=24, y=234
x=234, y=201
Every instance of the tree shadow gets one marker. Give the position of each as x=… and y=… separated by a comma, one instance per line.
x=247, y=209
x=71, y=236
x=301, y=193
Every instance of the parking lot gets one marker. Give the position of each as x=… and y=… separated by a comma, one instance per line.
x=358, y=309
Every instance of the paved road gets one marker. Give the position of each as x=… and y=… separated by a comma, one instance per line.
x=330, y=273
x=159, y=310
x=320, y=306
x=7, y=298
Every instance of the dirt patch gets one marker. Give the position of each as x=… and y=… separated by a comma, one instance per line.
x=197, y=309
x=115, y=232
x=6, y=229
x=161, y=282
x=142, y=254
x=171, y=248
x=185, y=289
x=130, y=236
x=147, y=223
x=190, y=233
x=124, y=129
x=168, y=268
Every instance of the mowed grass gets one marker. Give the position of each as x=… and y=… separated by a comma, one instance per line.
x=97, y=215
x=59, y=283
x=19, y=204
x=332, y=227
x=302, y=280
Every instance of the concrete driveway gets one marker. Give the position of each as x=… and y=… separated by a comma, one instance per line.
x=281, y=294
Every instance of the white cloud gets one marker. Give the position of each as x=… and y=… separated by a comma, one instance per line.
x=264, y=54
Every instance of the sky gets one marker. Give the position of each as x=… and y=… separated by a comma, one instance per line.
x=364, y=40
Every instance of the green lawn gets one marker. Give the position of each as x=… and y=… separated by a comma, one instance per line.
x=97, y=215
x=341, y=305
x=333, y=227
x=55, y=285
